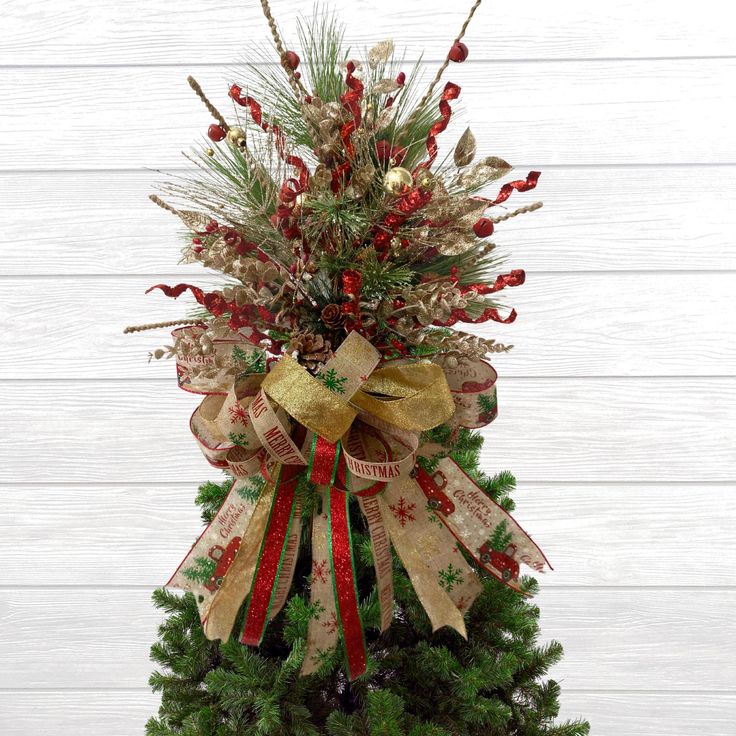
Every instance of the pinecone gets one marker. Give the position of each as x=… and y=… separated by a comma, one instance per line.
x=332, y=316
x=311, y=350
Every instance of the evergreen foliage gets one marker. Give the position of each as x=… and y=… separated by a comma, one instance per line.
x=418, y=683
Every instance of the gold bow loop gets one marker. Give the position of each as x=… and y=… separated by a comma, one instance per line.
x=413, y=397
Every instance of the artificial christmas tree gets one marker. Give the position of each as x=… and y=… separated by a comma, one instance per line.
x=359, y=573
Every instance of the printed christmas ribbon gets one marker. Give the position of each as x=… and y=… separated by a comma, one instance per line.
x=229, y=598
x=486, y=531
x=422, y=546
x=323, y=627
x=203, y=570
x=353, y=429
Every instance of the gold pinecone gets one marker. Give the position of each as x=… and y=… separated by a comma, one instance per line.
x=312, y=350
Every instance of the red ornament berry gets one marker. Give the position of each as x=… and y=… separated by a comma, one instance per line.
x=291, y=59
x=483, y=228
x=197, y=241
x=211, y=226
x=458, y=52
x=216, y=133
x=198, y=249
x=401, y=79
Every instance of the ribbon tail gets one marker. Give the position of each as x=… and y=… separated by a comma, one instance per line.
x=228, y=599
x=490, y=535
x=270, y=559
x=344, y=583
x=209, y=560
x=382, y=561
x=323, y=461
x=323, y=628
x=288, y=563
x=408, y=540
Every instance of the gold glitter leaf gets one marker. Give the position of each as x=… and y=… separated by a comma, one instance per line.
x=194, y=220
x=485, y=171
x=385, y=118
x=384, y=87
x=380, y=53
x=465, y=149
x=455, y=243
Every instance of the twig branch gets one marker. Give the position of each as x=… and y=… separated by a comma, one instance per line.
x=442, y=68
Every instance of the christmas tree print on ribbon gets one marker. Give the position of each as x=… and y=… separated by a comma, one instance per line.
x=201, y=571
x=488, y=407
x=501, y=537
x=250, y=361
x=431, y=516
x=251, y=489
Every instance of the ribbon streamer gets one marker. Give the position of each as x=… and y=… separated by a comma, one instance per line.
x=270, y=559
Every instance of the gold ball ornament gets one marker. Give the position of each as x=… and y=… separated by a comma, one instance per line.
x=425, y=179
x=236, y=136
x=210, y=151
x=397, y=179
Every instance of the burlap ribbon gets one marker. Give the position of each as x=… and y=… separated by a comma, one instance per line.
x=353, y=429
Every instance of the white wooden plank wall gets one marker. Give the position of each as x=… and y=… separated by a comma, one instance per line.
x=618, y=402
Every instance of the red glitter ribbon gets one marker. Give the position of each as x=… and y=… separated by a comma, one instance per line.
x=450, y=92
x=520, y=185
x=343, y=580
x=217, y=305
x=271, y=555
x=351, y=101
x=256, y=113
x=513, y=278
x=322, y=464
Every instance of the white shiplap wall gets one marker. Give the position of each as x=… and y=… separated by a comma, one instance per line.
x=618, y=403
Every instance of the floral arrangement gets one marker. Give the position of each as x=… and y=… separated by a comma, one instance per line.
x=335, y=377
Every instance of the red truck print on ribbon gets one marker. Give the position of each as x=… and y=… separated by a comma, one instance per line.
x=224, y=557
x=504, y=561
x=433, y=486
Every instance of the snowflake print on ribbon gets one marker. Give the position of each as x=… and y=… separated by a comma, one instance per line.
x=238, y=413
x=316, y=610
x=332, y=381
x=462, y=604
x=450, y=577
x=332, y=624
x=320, y=570
x=403, y=511
x=238, y=438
